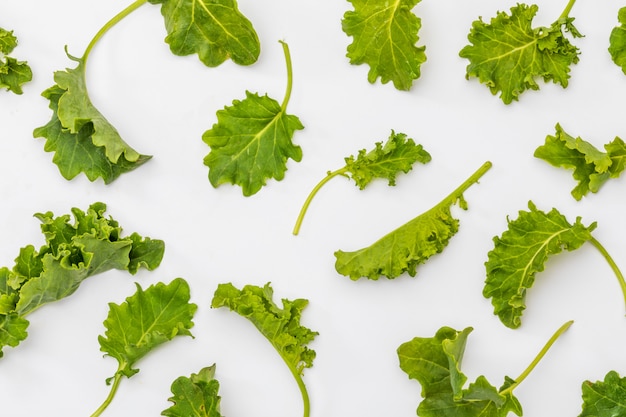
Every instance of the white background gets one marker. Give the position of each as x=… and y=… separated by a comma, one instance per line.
x=161, y=104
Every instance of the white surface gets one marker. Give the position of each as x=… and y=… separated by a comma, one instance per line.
x=161, y=104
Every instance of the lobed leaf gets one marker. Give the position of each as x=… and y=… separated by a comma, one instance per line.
x=617, y=41
x=251, y=142
x=92, y=244
x=521, y=252
x=13, y=73
x=435, y=362
x=604, y=398
x=398, y=154
x=411, y=244
x=592, y=167
x=146, y=320
x=196, y=395
x=281, y=326
x=214, y=29
x=508, y=54
x=82, y=139
x=384, y=37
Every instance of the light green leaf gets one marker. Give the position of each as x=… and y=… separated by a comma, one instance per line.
x=280, y=326
x=398, y=154
x=604, y=398
x=411, y=244
x=81, y=137
x=196, y=396
x=146, y=320
x=13, y=73
x=385, y=37
x=252, y=140
x=12, y=330
x=592, y=167
x=92, y=244
x=508, y=54
x=522, y=251
x=8, y=41
x=214, y=29
x=617, y=41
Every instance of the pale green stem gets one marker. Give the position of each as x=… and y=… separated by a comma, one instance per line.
x=114, y=386
x=538, y=358
x=614, y=267
x=305, y=395
x=128, y=10
x=568, y=9
x=283, y=106
x=312, y=194
x=458, y=192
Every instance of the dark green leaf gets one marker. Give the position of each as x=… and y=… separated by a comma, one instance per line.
x=214, y=29
x=604, y=398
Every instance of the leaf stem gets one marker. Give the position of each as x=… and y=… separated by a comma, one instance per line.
x=458, y=192
x=305, y=395
x=538, y=358
x=283, y=106
x=109, y=25
x=614, y=267
x=312, y=194
x=567, y=10
x=114, y=386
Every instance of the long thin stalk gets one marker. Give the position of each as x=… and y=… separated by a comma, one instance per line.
x=114, y=386
x=283, y=106
x=614, y=267
x=568, y=9
x=312, y=194
x=538, y=358
x=108, y=25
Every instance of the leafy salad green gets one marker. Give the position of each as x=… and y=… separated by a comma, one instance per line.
x=13, y=73
x=73, y=252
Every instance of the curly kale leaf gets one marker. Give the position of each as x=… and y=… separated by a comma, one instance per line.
x=196, y=395
x=413, y=243
x=617, y=41
x=145, y=320
x=604, y=398
x=280, y=326
x=13, y=73
x=385, y=35
x=397, y=155
x=215, y=30
x=507, y=54
x=73, y=252
x=522, y=251
x=82, y=139
x=592, y=167
x=435, y=362
x=252, y=140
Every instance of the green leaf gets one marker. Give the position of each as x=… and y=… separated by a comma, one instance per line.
x=411, y=244
x=280, y=326
x=214, y=29
x=522, y=251
x=146, y=320
x=8, y=41
x=435, y=362
x=13, y=73
x=384, y=37
x=398, y=154
x=617, y=41
x=592, y=167
x=74, y=251
x=508, y=54
x=196, y=396
x=12, y=330
x=252, y=140
x=81, y=137
x=604, y=398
